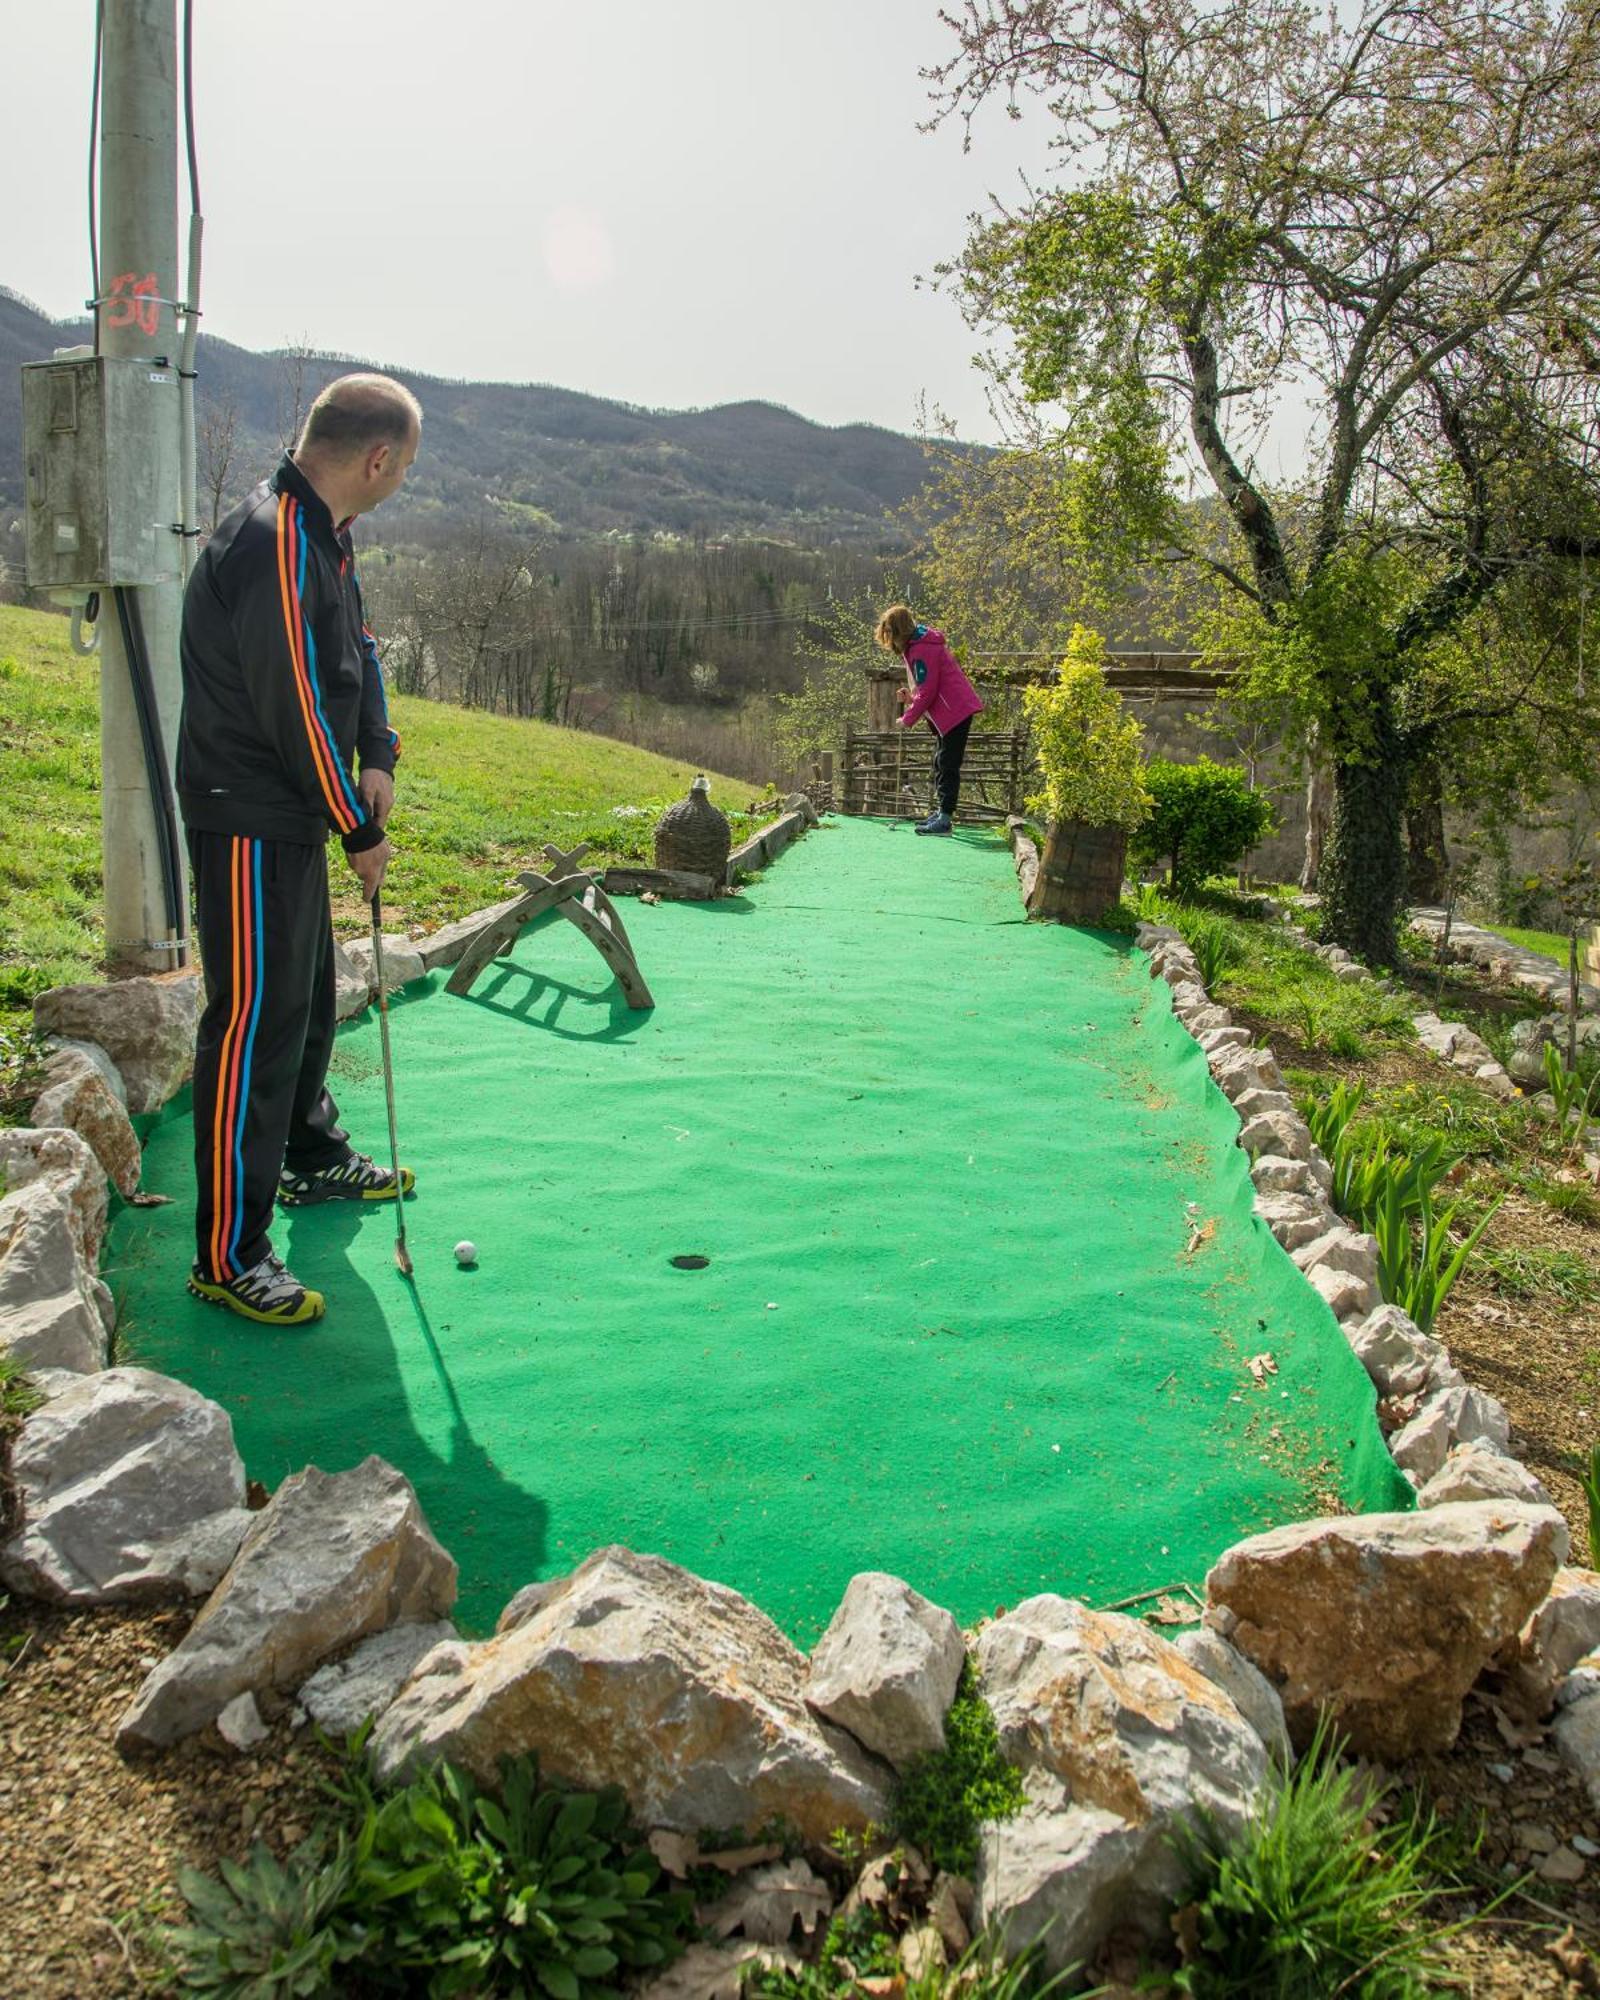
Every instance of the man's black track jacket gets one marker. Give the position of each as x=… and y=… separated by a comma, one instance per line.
x=281, y=683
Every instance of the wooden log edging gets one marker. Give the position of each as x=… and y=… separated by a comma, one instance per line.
x=763, y=848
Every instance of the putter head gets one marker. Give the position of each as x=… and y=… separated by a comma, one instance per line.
x=402, y=1257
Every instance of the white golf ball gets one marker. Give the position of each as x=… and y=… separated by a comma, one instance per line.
x=466, y=1253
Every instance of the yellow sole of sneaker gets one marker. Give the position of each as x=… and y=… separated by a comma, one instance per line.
x=311, y=1307
x=408, y=1183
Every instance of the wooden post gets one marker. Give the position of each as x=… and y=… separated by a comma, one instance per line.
x=881, y=692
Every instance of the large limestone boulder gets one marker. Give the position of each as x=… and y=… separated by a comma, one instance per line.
x=119, y=1482
x=145, y=1025
x=1476, y=1471
x=402, y=962
x=340, y=1696
x=635, y=1673
x=1119, y=1738
x=1444, y=1418
x=1056, y=1876
x=50, y=1300
x=1280, y=1133
x=67, y=1163
x=351, y=991
x=886, y=1668
x=1386, y=1620
x=1401, y=1359
x=1245, y=1686
x=1564, y=1630
x=330, y=1559
x=78, y=1095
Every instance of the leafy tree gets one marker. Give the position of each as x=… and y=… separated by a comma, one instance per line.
x=1203, y=819
x=1382, y=215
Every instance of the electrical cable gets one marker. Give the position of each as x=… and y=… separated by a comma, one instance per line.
x=94, y=162
x=163, y=805
x=188, y=105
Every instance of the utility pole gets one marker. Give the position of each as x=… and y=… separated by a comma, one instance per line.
x=135, y=317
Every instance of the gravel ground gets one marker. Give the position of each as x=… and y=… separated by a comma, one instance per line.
x=91, y=1842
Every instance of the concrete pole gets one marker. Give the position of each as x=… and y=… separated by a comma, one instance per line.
x=138, y=271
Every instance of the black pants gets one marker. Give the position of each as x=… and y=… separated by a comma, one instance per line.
x=261, y=1057
x=952, y=747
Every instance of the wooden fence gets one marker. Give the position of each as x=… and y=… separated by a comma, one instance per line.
x=890, y=772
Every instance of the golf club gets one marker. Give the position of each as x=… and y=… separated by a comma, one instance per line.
x=402, y=1256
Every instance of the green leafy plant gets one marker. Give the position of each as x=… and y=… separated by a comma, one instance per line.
x=1589, y=1480
x=1203, y=819
x=445, y=1889
x=1418, y=1265
x=1347, y=1043
x=1314, y=1900
x=1089, y=752
x=1307, y=1016
x=1216, y=950
x=266, y=1930
x=946, y=1795
x=1571, y=1091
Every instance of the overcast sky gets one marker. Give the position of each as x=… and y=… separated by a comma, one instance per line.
x=672, y=202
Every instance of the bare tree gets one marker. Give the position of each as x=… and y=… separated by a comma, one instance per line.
x=219, y=440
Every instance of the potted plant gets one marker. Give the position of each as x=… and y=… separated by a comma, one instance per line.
x=1091, y=758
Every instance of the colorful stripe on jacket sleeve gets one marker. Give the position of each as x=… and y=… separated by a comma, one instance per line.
x=338, y=788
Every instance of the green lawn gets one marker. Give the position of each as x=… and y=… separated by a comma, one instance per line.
x=1551, y=943
x=478, y=796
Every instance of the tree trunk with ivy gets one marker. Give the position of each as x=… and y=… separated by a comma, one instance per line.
x=1363, y=881
x=1427, y=863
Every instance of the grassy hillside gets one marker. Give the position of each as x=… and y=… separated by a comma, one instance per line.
x=478, y=796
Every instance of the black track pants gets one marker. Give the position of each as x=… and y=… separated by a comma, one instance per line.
x=952, y=747
x=261, y=1057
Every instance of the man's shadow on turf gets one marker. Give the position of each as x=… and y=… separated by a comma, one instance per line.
x=459, y=1487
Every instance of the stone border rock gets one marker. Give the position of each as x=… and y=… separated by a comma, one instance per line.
x=1451, y=1442
x=631, y=1670
x=763, y=848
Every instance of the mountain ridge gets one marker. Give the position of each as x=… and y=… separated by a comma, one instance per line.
x=551, y=460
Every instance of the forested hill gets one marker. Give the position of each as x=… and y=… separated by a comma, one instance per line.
x=544, y=457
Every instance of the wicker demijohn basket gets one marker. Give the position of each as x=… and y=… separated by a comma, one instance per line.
x=693, y=835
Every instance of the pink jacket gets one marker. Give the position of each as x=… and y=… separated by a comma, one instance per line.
x=943, y=692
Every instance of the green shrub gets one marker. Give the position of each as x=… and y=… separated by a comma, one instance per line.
x=440, y=1889
x=1312, y=1901
x=1203, y=820
x=1089, y=752
x=946, y=1795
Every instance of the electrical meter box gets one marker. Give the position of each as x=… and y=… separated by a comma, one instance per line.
x=100, y=448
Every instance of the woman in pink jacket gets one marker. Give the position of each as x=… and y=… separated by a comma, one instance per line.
x=941, y=692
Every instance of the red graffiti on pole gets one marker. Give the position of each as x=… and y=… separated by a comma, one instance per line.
x=134, y=301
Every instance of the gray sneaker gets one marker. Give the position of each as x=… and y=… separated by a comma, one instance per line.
x=938, y=823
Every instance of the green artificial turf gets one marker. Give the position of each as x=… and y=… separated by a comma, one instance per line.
x=984, y=1279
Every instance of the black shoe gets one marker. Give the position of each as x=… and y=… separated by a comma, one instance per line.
x=354, y=1178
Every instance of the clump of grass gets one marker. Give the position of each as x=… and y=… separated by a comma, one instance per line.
x=1574, y=1199
x=1315, y=1900
x=1541, y=1272
x=23, y=1054
x=945, y=1796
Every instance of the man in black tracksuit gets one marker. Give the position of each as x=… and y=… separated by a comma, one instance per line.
x=285, y=737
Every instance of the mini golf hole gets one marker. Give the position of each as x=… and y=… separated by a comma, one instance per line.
x=690, y=1261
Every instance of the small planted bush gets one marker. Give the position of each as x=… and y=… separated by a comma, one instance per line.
x=1203, y=820
x=442, y=1889
x=946, y=1795
x=1088, y=750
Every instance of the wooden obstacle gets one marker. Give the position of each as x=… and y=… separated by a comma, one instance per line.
x=566, y=891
